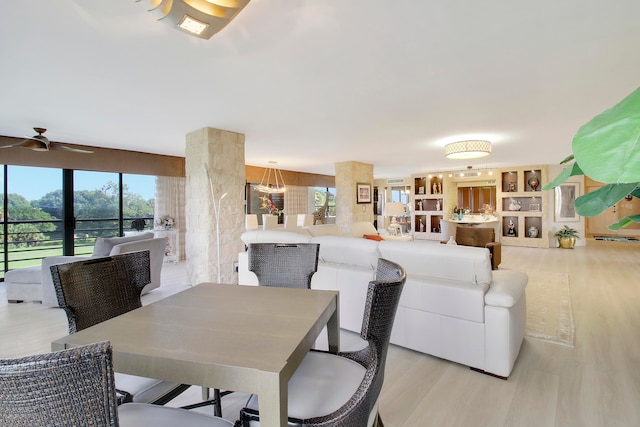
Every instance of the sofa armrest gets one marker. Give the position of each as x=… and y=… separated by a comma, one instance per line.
x=507, y=289
x=496, y=254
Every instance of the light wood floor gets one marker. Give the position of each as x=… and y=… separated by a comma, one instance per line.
x=597, y=383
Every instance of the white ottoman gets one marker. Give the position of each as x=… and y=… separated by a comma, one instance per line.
x=24, y=284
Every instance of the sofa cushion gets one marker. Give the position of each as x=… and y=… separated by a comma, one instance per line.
x=466, y=264
x=348, y=250
x=274, y=236
x=326, y=230
x=104, y=245
x=24, y=275
x=362, y=228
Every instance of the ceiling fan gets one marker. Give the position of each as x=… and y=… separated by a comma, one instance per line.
x=40, y=142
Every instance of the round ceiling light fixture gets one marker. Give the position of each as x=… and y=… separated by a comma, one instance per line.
x=470, y=149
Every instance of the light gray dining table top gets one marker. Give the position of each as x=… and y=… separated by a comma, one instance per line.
x=232, y=337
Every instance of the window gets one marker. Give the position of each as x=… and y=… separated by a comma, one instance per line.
x=33, y=211
x=320, y=197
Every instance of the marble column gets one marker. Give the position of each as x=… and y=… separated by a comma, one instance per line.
x=348, y=175
x=223, y=153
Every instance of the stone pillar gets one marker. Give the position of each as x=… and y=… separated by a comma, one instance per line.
x=348, y=175
x=223, y=152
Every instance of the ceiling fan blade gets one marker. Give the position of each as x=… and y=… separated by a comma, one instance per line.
x=58, y=146
x=12, y=145
x=35, y=144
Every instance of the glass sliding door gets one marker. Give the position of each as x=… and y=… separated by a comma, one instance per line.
x=138, y=197
x=33, y=217
x=96, y=207
x=36, y=203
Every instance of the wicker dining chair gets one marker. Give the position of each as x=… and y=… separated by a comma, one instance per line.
x=284, y=265
x=75, y=387
x=97, y=289
x=342, y=390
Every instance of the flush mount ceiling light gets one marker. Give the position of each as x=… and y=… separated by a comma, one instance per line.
x=266, y=185
x=471, y=149
x=200, y=18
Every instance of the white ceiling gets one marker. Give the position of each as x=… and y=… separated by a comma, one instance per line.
x=314, y=82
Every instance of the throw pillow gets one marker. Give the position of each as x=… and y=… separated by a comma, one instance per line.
x=376, y=237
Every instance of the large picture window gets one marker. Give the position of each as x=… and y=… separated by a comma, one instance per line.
x=38, y=219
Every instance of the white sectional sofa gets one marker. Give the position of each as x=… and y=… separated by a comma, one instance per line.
x=453, y=305
x=35, y=283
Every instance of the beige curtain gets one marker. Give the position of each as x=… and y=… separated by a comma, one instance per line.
x=170, y=201
x=296, y=200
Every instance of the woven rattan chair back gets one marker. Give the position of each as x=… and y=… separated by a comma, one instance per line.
x=72, y=387
x=383, y=296
x=284, y=265
x=97, y=289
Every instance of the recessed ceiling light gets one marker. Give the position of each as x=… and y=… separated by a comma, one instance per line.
x=192, y=25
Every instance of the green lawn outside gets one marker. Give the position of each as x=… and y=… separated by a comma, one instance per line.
x=15, y=258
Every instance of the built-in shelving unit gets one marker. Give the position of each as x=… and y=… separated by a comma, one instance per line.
x=427, y=206
x=523, y=206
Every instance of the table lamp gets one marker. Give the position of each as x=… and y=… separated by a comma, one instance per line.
x=394, y=210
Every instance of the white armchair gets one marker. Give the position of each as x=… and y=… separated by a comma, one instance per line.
x=36, y=284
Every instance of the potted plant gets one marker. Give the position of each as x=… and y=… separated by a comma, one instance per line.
x=606, y=149
x=138, y=224
x=567, y=237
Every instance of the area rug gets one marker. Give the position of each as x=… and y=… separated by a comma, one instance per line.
x=617, y=238
x=549, y=312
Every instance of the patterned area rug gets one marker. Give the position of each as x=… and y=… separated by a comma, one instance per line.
x=617, y=238
x=549, y=312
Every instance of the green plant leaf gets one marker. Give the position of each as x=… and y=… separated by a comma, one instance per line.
x=595, y=202
x=623, y=222
x=571, y=170
x=567, y=159
x=607, y=148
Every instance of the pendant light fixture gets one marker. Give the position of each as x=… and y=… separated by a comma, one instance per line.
x=269, y=185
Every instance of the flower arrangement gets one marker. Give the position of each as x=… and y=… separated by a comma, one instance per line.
x=166, y=221
x=268, y=206
x=488, y=211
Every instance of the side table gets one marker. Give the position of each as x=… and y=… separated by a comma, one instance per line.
x=172, y=246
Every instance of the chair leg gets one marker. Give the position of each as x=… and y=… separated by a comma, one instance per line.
x=163, y=400
x=378, y=421
x=216, y=400
x=205, y=393
x=217, y=405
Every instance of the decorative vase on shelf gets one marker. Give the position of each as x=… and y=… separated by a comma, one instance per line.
x=533, y=232
x=460, y=215
x=533, y=182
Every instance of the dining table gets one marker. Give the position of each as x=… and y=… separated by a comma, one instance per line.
x=230, y=337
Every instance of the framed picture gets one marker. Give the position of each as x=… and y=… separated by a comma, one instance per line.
x=534, y=207
x=565, y=199
x=363, y=193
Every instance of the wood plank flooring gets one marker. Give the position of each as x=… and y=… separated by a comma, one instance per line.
x=597, y=383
